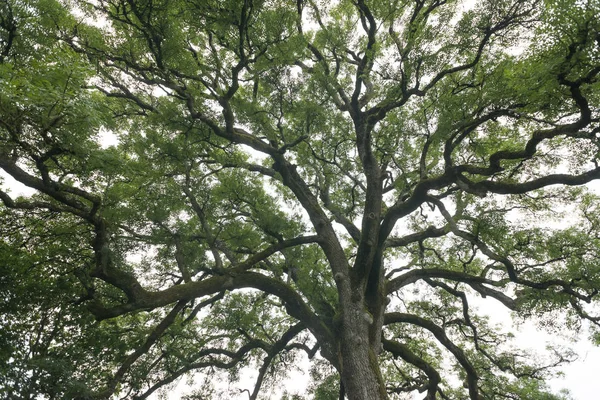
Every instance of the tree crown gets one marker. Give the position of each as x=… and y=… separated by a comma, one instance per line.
x=345, y=181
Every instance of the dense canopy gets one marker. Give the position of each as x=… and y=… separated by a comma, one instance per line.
x=236, y=188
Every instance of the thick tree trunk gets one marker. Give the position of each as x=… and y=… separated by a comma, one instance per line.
x=359, y=368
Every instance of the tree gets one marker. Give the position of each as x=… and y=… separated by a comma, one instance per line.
x=342, y=180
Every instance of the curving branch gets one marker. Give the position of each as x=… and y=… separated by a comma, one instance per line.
x=516, y=16
x=234, y=358
x=499, y=187
x=404, y=352
x=154, y=336
x=335, y=89
x=277, y=247
x=511, y=270
x=430, y=232
x=146, y=300
x=76, y=201
x=272, y=352
x=365, y=64
x=440, y=335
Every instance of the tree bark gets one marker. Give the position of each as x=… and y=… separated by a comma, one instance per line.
x=359, y=368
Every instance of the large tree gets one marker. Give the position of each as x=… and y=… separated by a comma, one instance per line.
x=347, y=180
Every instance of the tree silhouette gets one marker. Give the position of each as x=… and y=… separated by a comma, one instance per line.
x=341, y=180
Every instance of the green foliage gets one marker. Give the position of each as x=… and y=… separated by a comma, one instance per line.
x=295, y=179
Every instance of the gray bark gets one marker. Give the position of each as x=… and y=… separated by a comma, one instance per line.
x=358, y=364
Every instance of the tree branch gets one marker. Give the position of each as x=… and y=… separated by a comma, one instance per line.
x=404, y=352
x=440, y=335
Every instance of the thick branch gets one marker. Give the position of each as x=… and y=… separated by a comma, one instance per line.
x=428, y=233
x=476, y=282
x=58, y=191
x=146, y=300
x=284, y=244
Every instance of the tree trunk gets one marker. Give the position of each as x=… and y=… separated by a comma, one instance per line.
x=359, y=368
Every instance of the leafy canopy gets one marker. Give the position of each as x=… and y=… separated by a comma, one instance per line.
x=345, y=182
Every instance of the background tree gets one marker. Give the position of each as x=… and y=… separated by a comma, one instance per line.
x=342, y=180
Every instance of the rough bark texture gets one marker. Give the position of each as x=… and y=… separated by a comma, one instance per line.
x=358, y=361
